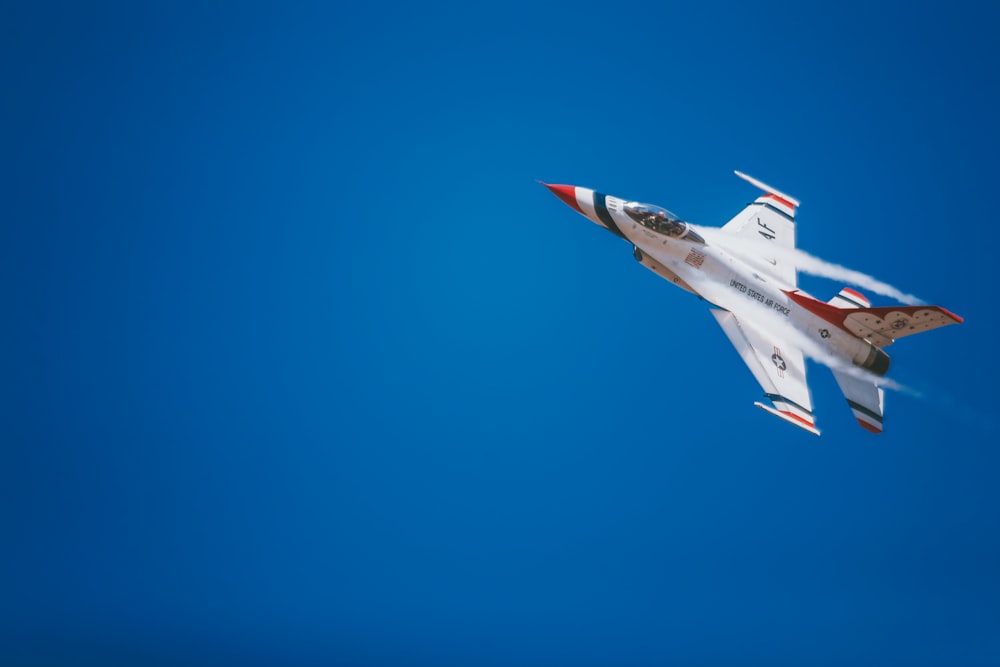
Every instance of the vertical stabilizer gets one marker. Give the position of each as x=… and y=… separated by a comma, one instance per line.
x=848, y=298
x=865, y=398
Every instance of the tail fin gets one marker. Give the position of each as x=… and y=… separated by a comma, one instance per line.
x=880, y=326
x=849, y=298
x=866, y=399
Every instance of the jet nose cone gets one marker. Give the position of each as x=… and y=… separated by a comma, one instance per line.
x=565, y=192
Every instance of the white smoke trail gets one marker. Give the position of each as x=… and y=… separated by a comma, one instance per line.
x=786, y=331
x=807, y=263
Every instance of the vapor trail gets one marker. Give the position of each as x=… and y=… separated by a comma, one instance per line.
x=782, y=328
x=807, y=263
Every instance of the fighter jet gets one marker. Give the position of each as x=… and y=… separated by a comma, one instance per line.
x=745, y=270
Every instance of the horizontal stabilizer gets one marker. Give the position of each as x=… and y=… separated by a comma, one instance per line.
x=892, y=322
x=880, y=326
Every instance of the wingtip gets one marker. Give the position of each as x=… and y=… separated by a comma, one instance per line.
x=958, y=320
x=792, y=419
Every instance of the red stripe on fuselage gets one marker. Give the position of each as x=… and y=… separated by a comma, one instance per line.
x=831, y=314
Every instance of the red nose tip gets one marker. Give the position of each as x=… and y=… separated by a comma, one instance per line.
x=565, y=192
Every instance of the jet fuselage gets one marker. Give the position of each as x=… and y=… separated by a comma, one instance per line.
x=730, y=280
x=748, y=270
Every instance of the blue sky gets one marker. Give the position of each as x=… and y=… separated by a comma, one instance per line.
x=302, y=366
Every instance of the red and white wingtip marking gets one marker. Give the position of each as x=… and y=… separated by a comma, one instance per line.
x=791, y=418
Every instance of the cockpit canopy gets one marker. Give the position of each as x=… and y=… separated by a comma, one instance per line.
x=662, y=221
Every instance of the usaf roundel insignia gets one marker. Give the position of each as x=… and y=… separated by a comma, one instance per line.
x=778, y=360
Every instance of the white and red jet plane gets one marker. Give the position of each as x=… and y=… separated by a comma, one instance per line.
x=754, y=289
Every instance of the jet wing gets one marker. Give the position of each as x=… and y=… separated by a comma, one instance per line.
x=778, y=367
x=769, y=218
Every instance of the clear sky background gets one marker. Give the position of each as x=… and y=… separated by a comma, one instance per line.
x=301, y=366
